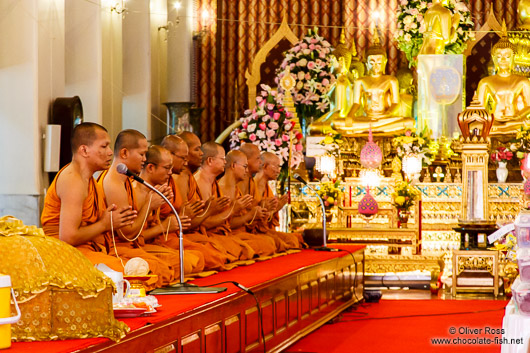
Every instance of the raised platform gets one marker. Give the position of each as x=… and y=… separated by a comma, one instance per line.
x=297, y=294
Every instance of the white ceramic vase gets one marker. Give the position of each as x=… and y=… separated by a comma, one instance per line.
x=502, y=172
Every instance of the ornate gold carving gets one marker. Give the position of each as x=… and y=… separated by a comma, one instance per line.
x=254, y=76
x=491, y=25
x=474, y=263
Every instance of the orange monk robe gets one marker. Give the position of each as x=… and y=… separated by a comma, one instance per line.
x=214, y=258
x=193, y=259
x=96, y=250
x=291, y=240
x=262, y=245
x=126, y=250
x=240, y=249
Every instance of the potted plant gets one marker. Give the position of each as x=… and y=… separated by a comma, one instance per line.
x=403, y=198
x=501, y=156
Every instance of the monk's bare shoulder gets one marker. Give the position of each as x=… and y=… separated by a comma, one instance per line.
x=70, y=182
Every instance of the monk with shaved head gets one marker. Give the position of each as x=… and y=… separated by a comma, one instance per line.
x=217, y=226
x=187, y=201
x=74, y=206
x=130, y=149
x=270, y=170
x=244, y=213
x=156, y=171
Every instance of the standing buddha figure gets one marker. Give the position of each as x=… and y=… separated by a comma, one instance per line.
x=505, y=94
x=440, y=28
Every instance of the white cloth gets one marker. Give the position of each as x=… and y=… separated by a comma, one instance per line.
x=516, y=326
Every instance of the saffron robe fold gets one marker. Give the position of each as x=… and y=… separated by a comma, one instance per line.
x=215, y=257
x=126, y=250
x=262, y=245
x=285, y=241
x=97, y=249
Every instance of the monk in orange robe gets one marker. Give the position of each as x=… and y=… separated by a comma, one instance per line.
x=186, y=201
x=284, y=241
x=74, y=206
x=270, y=170
x=130, y=149
x=157, y=171
x=235, y=170
x=217, y=226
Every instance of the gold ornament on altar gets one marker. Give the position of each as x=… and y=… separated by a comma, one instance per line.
x=505, y=94
x=520, y=38
x=475, y=122
x=60, y=293
x=375, y=101
x=440, y=29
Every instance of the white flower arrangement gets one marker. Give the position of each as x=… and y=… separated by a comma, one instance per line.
x=411, y=26
x=310, y=64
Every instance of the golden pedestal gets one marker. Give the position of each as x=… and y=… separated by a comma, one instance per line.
x=470, y=267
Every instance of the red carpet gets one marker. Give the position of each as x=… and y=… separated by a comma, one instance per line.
x=172, y=305
x=410, y=326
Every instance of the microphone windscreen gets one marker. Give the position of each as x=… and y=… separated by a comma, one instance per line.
x=121, y=168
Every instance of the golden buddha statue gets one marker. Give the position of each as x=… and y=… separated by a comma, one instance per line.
x=505, y=94
x=523, y=13
x=376, y=100
x=440, y=28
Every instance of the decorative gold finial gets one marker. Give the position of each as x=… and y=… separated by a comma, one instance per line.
x=503, y=43
x=376, y=37
x=342, y=37
x=287, y=82
x=353, y=48
x=375, y=48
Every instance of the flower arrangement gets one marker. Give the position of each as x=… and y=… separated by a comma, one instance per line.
x=330, y=191
x=269, y=126
x=411, y=26
x=411, y=142
x=404, y=195
x=332, y=143
x=521, y=144
x=310, y=64
x=501, y=154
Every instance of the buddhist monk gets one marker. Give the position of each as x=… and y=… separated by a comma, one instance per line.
x=236, y=169
x=156, y=171
x=187, y=201
x=130, y=149
x=270, y=170
x=248, y=187
x=74, y=206
x=217, y=226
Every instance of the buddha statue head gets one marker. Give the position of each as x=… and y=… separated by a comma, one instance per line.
x=343, y=51
x=356, y=66
x=503, y=53
x=376, y=58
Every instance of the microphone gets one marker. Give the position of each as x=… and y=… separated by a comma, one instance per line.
x=181, y=287
x=299, y=178
x=122, y=169
x=324, y=247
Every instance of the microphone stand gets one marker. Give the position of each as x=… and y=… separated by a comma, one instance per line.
x=324, y=235
x=181, y=287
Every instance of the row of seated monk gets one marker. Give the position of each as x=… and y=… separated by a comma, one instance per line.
x=225, y=222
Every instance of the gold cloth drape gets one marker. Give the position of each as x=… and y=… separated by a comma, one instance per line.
x=243, y=26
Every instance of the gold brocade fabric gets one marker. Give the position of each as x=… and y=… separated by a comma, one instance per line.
x=60, y=293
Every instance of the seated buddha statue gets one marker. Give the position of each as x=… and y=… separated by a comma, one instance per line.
x=505, y=94
x=376, y=100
